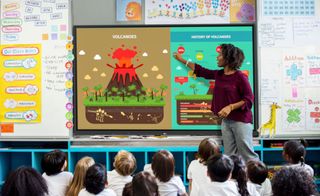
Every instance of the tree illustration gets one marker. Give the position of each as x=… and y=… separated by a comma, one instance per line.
x=163, y=87
x=106, y=93
x=123, y=92
x=96, y=90
x=132, y=88
x=85, y=89
x=138, y=93
x=193, y=87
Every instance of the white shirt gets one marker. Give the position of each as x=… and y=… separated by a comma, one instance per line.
x=105, y=192
x=264, y=189
x=57, y=184
x=227, y=188
x=147, y=168
x=117, y=181
x=305, y=167
x=250, y=187
x=197, y=172
x=173, y=187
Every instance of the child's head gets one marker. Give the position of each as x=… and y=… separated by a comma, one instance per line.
x=25, y=181
x=127, y=190
x=143, y=183
x=257, y=171
x=219, y=167
x=96, y=179
x=239, y=174
x=163, y=165
x=125, y=163
x=207, y=148
x=293, y=181
x=294, y=152
x=54, y=162
x=79, y=175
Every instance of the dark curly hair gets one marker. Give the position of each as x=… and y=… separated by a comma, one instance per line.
x=23, y=182
x=232, y=56
x=293, y=181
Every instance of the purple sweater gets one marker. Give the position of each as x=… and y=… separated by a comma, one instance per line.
x=229, y=89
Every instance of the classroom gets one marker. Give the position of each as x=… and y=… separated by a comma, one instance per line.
x=159, y=97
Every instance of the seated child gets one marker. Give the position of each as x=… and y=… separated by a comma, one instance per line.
x=24, y=181
x=257, y=173
x=124, y=164
x=239, y=176
x=79, y=175
x=163, y=168
x=96, y=181
x=219, y=170
x=197, y=171
x=294, y=153
x=53, y=164
x=143, y=183
x=293, y=181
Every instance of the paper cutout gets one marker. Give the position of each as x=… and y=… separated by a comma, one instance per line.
x=7, y=128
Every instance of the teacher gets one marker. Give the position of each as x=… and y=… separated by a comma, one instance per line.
x=232, y=100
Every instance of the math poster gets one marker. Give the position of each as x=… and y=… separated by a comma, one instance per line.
x=187, y=12
x=20, y=84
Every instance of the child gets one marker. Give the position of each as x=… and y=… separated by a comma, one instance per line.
x=96, y=181
x=197, y=171
x=24, y=181
x=219, y=170
x=239, y=176
x=293, y=181
x=143, y=183
x=79, y=175
x=294, y=153
x=163, y=168
x=257, y=173
x=124, y=164
x=53, y=164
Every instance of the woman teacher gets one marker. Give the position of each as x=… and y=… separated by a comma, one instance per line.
x=232, y=101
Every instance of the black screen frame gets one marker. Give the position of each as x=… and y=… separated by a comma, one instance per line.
x=146, y=132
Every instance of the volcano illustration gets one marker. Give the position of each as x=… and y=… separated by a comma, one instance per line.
x=124, y=100
x=124, y=74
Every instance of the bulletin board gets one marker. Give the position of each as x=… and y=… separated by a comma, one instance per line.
x=34, y=87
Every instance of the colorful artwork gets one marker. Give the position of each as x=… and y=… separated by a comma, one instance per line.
x=242, y=11
x=127, y=78
x=20, y=83
x=129, y=10
x=187, y=11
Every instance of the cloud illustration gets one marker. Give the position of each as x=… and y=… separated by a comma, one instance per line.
x=97, y=57
x=82, y=52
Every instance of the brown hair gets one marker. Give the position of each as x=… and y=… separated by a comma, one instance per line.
x=232, y=56
x=125, y=163
x=207, y=148
x=163, y=165
x=79, y=176
x=257, y=171
x=145, y=184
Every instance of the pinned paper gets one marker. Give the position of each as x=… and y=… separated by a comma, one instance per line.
x=7, y=128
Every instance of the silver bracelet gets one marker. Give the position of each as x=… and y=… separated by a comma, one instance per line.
x=187, y=63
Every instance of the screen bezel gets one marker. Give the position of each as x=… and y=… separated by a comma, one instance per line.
x=77, y=131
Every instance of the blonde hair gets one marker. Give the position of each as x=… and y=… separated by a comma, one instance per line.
x=79, y=174
x=125, y=163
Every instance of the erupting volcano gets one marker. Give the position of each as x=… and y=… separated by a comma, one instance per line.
x=124, y=72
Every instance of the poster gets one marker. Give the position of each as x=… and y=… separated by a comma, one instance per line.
x=187, y=12
x=242, y=11
x=128, y=10
x=21, y=83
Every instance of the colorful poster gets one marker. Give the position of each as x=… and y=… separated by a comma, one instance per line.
x=242, y=11
x=187, y=12
x=129, y=10
x=21, y=83
x=128, y=79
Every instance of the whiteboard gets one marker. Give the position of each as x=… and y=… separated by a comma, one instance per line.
x=289, y=65
x=44, y=22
